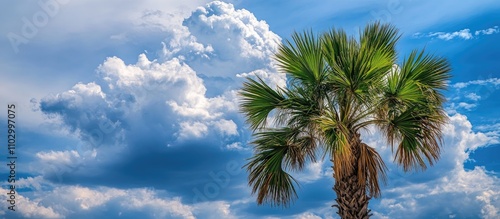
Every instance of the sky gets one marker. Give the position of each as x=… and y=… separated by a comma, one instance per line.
x=129, y=109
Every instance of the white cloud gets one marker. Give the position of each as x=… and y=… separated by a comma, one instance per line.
x=464, y=34
x=274, y=80
x=473, y=96
x=468, y=95
x=194, y=129
x=491, y=81
x=466, y=106
x=170, y=89
x=235, y=146
x=488, y=31
x=307, y=215
x=141, y=199
x=30, y=182
x=313, y=171
x=64, y=201
x=57, y=163
x=85, y=198
x=27, y=207
x=214, y=210
x=239, y=43
x=491, y=201
x=61, y=157
x=176, y=82
x=488, y=127
x=468, y=193
x=226, y=127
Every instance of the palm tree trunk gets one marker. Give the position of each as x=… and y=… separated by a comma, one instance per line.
x=352, y=201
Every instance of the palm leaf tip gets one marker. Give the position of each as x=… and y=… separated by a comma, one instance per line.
x=302, y=58
x=258, y=100
x=268, y=179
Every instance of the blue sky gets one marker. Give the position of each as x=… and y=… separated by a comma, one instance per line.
x=128, y=109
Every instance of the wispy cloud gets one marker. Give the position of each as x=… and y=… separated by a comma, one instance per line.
x=492, y=81
x=473, y=96
x=464, y=34
x=468, y=95
x=488, y=31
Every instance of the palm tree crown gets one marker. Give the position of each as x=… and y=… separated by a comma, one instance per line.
x=338, y=85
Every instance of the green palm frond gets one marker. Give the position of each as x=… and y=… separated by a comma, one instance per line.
x=298, y=146
x=412, y=108
x=258, y=100
x=417, y=136
x=340, y=52
x=376, y=56
x=274, y=152
x=380, y=38
x=428, y=71
x=302, y=59
x=301, y=107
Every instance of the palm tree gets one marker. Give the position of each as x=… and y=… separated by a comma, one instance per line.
x=336, y=86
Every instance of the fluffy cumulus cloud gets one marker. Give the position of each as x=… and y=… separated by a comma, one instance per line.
x=26, y=208
x=446, y=190
x=234, y=43
x=307, y=215
x=313, y=171
x=84, y=202
x=187, y=95
x=216, y=43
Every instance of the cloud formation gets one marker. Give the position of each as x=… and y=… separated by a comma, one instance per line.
x=84, y=202
x=464, y=34
x=469, y=95
x=464, y=193
x=216, y=42
x=158, y=112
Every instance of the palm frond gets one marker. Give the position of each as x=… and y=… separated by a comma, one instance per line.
x=381, y=38
x=427, y=70
x=371, y=169
x=339, y=52
x=297, y=145
x=357, y=69
x=377, y=55
x=419, y=137
x=276, y=150
x=302, y=59
x=411, y=109
x=301, y=107
x=258, y=100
